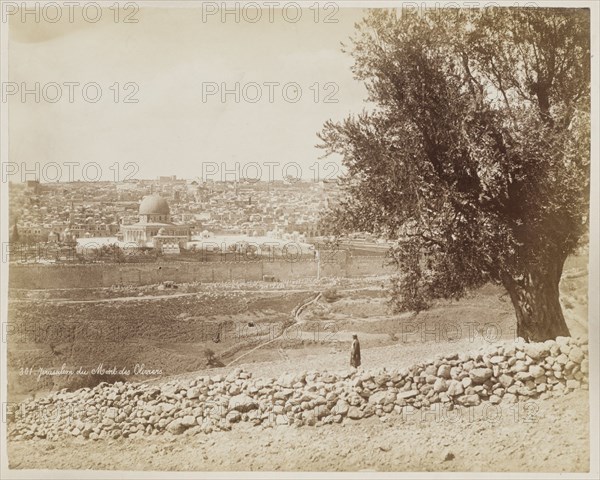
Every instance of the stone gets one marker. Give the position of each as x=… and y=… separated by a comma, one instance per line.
x=536, y=350
x=541, y=388
x=425, y=389
x=513, y=388
x=467, y=366
x=341, y=407
x=523, y=376
x=562, y=359
x=368, y=410
x=407, y=394
x=355, y=413
x=536, y=371
x=309, y=418
x=505, y=380
x=444, y=371
x=554, y=351
x=276, y=409
x=480, y=375
x=242, y=403
x=188, y=421
x=444, y=398
x=576, y=354
x=520, y=366
x=328, y=378
x=234, y=390
x=565, y=349
x=283, y=394
x=440, y=385
x=286, y=380
x=525, y=391
x=176, y=427
x=510, y=398
x=233, y=416
x=455, y=388
x=383, y=398
x=469, y=400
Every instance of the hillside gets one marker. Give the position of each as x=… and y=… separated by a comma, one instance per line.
x=318, y=341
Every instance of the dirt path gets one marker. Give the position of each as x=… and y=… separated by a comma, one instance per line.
x=155, y=297
x=262, y=291
x=297, y=312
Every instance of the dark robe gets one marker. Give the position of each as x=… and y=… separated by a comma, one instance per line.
x=355, y=354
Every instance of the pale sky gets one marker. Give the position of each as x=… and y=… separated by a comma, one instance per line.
x=170, y=54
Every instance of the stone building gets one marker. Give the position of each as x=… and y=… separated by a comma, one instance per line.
x=154, y=227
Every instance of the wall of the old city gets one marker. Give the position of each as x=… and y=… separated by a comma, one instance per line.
x=104, y=275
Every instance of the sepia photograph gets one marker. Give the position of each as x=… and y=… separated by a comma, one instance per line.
x=296, y=238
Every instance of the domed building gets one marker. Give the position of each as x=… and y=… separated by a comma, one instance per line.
x=154, y=227
x=154, y=209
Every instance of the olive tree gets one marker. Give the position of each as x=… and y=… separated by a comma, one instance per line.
x=474, y=156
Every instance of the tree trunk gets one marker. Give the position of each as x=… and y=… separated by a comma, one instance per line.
x=535, y=298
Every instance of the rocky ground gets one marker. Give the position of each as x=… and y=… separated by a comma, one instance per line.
x=512, y=407
x=555, y=440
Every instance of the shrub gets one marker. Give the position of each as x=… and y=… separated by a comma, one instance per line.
x=331, y=295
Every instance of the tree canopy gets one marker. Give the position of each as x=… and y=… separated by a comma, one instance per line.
x=475, y=157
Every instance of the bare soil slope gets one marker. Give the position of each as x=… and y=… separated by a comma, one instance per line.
x=550, y=435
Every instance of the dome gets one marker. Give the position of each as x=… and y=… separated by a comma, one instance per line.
x=154, y=205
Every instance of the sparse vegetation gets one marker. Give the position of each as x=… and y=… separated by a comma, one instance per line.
x=211, y=358
x=331, y=295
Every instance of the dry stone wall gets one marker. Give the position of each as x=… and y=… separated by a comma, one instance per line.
x=502, y=373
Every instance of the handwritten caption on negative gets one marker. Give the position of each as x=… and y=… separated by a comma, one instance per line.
x=64, y=370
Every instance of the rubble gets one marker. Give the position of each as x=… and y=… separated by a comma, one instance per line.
x=496, y=374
